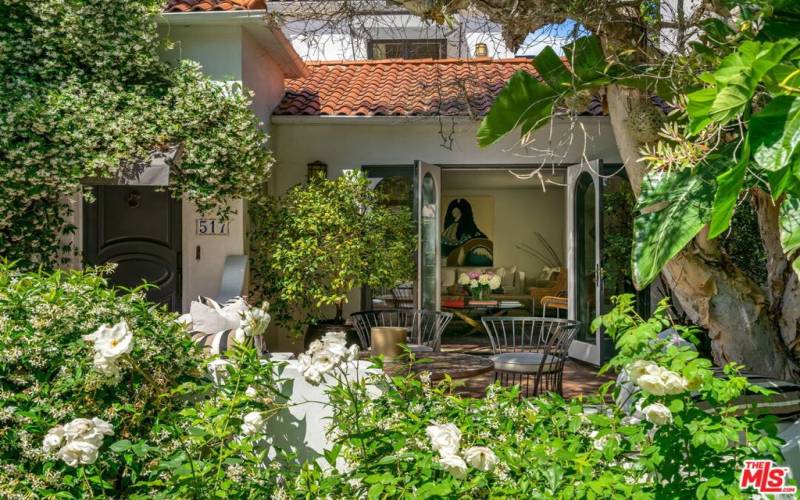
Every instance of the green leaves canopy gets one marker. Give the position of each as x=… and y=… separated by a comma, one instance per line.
x=527, y=102
x=311, y=247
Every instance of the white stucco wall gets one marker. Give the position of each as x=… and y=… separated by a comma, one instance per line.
x=344, y=144
x=217, y=48
x=351, y=144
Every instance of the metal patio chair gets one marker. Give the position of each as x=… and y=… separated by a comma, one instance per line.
x=530, y=351
x=424, y=327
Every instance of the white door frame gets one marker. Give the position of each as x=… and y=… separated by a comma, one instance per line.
x=584, y=351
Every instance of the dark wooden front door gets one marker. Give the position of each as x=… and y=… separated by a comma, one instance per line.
x=139, y=229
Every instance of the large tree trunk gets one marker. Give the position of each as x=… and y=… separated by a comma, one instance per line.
x=746, y=324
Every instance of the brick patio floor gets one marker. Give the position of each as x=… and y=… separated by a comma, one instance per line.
x=579, y=378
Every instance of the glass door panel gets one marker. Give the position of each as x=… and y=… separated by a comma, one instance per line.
x=584, y=251
x=429, y=256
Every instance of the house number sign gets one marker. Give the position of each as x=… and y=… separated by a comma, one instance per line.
x=211, y=227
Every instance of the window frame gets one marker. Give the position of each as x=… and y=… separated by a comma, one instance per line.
x=406, y=43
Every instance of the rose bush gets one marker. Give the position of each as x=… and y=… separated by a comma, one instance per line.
x=167, y=422
x=103, y=393
x=678, y=434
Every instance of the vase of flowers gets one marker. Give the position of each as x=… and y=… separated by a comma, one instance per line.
x=479, y=284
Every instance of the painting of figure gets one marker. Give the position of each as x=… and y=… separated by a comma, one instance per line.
x=467, y=231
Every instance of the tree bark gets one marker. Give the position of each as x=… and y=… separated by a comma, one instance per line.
x=745, y=324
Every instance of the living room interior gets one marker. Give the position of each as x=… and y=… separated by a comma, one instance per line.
x=509, y=222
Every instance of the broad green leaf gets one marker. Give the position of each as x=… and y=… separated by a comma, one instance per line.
x=586, y=57
x=699, y=107
x=774, y=133
x=789, y=219
x=524, y=102
x=729, y=185
x=679, y=204
x=552, y=70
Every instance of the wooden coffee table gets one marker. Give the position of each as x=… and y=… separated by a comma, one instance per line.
x=440, y=364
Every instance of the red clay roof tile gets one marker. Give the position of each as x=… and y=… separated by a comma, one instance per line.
x=399, y=87
x=206, y=5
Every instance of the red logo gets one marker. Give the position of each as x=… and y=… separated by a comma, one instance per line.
x=765, y=477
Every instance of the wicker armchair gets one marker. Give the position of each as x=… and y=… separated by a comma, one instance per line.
x=425, y=327
x=530, y=351
x=556, y=287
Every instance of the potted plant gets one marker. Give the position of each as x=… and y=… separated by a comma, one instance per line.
x=311, y=247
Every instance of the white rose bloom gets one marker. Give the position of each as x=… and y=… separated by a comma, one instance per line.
x=445, y=438
x=455, y=465
x=473, y=284
x=115, y=341
x=253, y=423
x=480, y=457
x=313, y=375
x=105, y=365
x=657, y=414
x=256, y=320
x=53, y=439
x=250, y=392
x=353, y=351
x=103, y=427
x=78, y=428
x=337, y=352
x=218, y=369
x=315, y=347
x=463, y=279
x=495, y=282
x=335, y=337
x=641, y=367
x=484, y=279
x=324, y=361
x=673, y=383
x=652, y=384
x=77, y=453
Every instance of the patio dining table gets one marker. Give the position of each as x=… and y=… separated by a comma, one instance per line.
x=467, y=312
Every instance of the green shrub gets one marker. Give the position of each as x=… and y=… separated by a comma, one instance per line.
x=683, y=437
x=173, y=429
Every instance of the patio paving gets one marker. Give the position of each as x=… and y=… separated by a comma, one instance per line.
x=579, y=378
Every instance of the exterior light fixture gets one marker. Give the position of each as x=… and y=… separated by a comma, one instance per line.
x=481, y=50
x=317, y=169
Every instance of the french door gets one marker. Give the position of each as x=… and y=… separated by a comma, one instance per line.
x=427, y=204
x=584, y=254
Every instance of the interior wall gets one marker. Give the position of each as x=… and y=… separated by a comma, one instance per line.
x=518, y=214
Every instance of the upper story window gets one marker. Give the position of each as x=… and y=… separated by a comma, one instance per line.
x=407, y=49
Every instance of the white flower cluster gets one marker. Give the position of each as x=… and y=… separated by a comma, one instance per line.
x=446, y=439
x=79, y=441
x=255, y=320
x=325, y=355
x=110, y=342
x=655, y=379
x=253, y=424
x=475, y=279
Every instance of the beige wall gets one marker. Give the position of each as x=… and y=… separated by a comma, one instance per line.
x=518, y=213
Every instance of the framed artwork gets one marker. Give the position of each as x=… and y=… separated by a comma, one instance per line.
x=468, y=230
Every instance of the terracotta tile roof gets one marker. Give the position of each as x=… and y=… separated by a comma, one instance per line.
x=398, y=87
x=206, y=5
